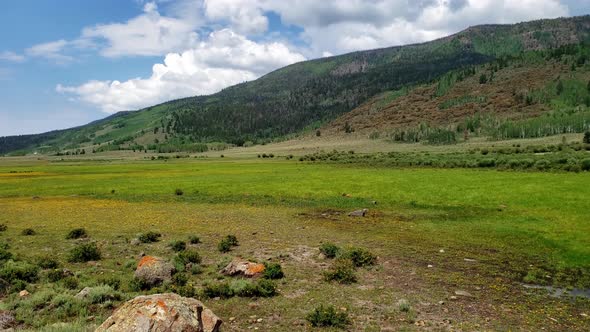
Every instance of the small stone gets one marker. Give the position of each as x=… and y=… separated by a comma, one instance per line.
x=135, y=242
x=441, y=302
x=24, y=293
x=358, y=213
x=442, y=251
x=231, y=319
x=453, y=297
x=463, y=293
x=259, y=320
x=469, y=260
x=584, y=315
x=430, y=266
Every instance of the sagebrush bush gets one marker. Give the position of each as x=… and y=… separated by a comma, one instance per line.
x=12, y=271
x=221, y=290
x=179, y=279
x=329, y=250
x=70, y=282
x=183, y=258
x=178, y=192
x=48, y=263
x=5, y=254
x=232, y=240
x=241, y=288
x=55, y=275
x=361, y=257
x=28, y=232
x=178, y=245
x=84, y=253
x=102, y=294
x=342, y=271
x=3, y=227
x=138, y=285
x=273, y=271
x=224, y=246
x=112, y=281
x=586, y=165
x=193, y=239
x=403, y=305
x=76, y=233
x=328, y=316
x=149, y=237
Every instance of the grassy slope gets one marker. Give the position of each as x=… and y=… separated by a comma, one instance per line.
x=301, y=95
x=275, y=209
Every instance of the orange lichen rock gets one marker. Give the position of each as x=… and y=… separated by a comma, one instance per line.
x=239, y=267
x=153, y=270
x=162, y=312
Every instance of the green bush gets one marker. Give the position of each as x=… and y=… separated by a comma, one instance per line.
x=273, y=271
x=138, y=285
x=193, y=239
x=328, y=316
x=180, y=279
x=178, y=192
x=48, y=263
x=55, y=275
x=112, y=281
x=587, y=137
x=13, y=271
x=224, y=245
x=329, y=250
x=361, y=257
x=232, y=240
x=221, y=290
x=5, y=254
x=70, y=282
x=28, y=232
x=186, y=257
x=102, y=294
x=586, y=165
x=76, y=233
x=342, y=271
x=149, y=237
x=3, y=227
x=84, y=253
x=178, y=245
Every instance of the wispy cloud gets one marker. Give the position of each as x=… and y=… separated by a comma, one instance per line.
x=12, y=57
x=53, y=51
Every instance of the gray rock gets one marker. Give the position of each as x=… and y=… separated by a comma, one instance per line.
x=154, y=270
x=463, y=293
x=358, y=213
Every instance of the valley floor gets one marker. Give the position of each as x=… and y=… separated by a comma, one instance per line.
x=457, y=244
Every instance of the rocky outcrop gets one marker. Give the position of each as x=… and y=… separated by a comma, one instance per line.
x=153, y=270
x=243, y=268
x=162, y=313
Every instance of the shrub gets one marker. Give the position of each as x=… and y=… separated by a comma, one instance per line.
x=28, y=232
x=5, y=254
x=361, y=257
x=84, y=253
x=329, y=250
x=76, y=233
x=232, y=239
x=70, y=282
x=180, y=279
x=178, y=245
x=13, y=271
x=55, y=275
x=111, y=281
x=327, y=316
x=186, y=257
x=178, y=192
x=137, y=285
x=224, y=246
x=587, y=137
x=3, y=227
x=586, y=165
x=273, y=271
x=403, y=305
x=149, y=237
x=48, y=263
x=193, y=239
x=227, y=242
x=342, y=271
x=102, y=294
x=221, y=290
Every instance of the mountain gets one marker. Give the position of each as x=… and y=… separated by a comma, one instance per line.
x=304, y=95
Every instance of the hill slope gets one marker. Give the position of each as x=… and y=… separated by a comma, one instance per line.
x=306, y=94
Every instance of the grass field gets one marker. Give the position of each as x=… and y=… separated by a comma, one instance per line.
x=435, y=231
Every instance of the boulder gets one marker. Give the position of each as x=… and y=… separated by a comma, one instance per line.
x=162, y=313
x=358, y=213
x=24, y=293
x=153, y=270
x=243, y=268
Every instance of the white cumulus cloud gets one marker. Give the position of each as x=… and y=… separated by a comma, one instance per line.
x=225, y=59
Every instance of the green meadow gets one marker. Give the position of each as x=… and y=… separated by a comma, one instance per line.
x=434, y=231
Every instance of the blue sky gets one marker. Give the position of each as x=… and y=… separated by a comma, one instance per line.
x=68, y=62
